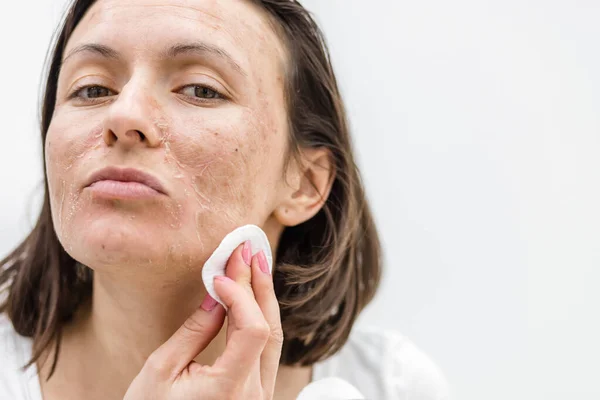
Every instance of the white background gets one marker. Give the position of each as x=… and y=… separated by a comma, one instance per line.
x=477, y=126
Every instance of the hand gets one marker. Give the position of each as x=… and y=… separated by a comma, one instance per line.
x=248, y=366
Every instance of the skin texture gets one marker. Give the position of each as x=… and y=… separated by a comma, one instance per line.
x=220, y=160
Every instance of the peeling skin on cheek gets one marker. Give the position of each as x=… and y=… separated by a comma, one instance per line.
x=79, y=148
x=65, y=199
x=61, y=194
x=217, y=173
x=218, y=161
x=67, y=216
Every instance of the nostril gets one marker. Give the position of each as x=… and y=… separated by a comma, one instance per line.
x=112, y=137
x=130, y=136
x=135, y=134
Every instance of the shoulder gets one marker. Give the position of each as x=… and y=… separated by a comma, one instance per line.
x=14, y=351
x=386, y=365
x=8, y=340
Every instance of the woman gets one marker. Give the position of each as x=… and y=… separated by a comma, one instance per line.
x=165, y=126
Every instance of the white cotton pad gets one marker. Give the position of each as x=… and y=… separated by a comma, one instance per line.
x=216, y=263
x=330, y=389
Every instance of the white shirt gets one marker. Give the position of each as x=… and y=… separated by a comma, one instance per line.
x=382, y=365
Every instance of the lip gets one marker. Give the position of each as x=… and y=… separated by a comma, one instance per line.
x=124, y=183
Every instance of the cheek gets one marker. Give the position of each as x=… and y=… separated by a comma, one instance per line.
x=226, y=165
x=64, y=150
x=68, y=142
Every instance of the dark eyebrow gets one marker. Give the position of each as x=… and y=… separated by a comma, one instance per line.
x=202, y=49
x=95, y=48
x=172, y=52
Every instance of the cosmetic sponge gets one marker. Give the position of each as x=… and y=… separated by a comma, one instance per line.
x=217, y=262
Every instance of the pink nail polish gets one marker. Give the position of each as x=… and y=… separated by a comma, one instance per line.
x=208, y=304
x=262, y=262
x=247, y=252
x=223, y=279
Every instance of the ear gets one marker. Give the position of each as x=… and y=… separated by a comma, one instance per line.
x=308, y=186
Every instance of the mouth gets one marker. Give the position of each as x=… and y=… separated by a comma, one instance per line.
x=124, y=183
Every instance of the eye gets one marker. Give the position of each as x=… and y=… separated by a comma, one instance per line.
x=91, y=92
x=202, y=92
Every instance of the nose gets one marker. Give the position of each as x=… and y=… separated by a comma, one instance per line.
x=129, y=121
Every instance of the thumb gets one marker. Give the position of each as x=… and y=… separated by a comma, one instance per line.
x=173, y=356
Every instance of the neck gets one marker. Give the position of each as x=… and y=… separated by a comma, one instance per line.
x=125, y=321
x=134, y=319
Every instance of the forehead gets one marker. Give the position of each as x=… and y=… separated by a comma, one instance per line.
x=143, y=27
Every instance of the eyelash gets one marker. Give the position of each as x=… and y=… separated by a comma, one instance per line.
x=219, y=96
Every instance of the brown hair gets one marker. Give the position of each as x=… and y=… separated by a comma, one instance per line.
x=328, y=268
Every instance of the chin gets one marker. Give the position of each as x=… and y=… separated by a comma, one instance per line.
x=115, y=240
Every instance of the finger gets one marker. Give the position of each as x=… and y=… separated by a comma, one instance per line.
x=248, y=330
x=189, y=340
x=238, y=265
x=254, y=380
x=264, y=292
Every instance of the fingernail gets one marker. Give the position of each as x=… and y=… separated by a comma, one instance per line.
x=223, y=278
x=208, y=304
x=247, y=252
x=262, y=262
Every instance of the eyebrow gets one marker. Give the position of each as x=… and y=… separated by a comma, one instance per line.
x=94, y=48
x=200, y=48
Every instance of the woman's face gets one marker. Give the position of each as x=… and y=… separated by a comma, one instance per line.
x=188, y=91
